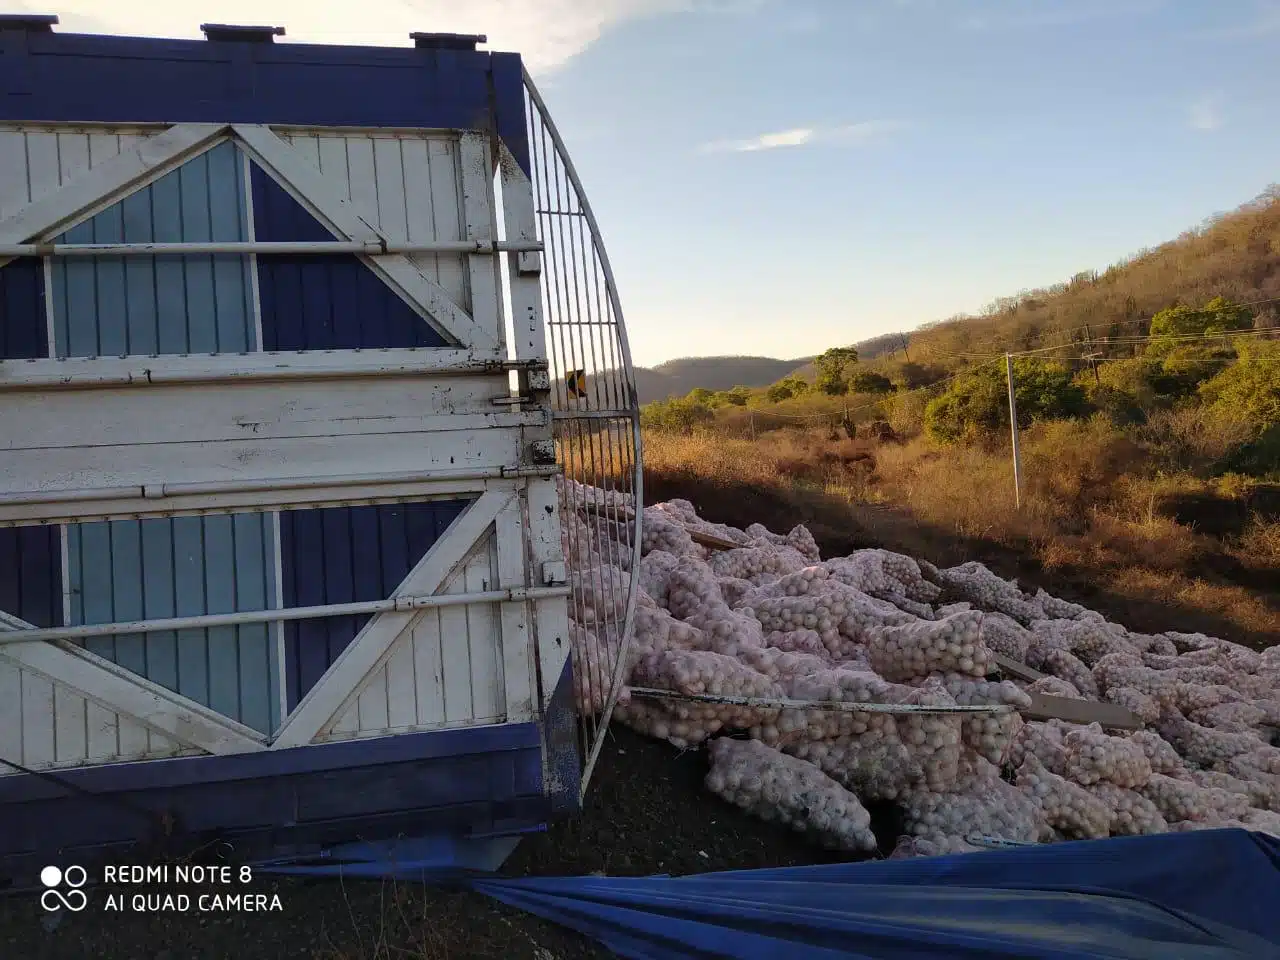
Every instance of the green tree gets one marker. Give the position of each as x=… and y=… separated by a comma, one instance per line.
x=786, y=389
x=831, y=365
x=1218, y=316
x=1250, y=386
x=978, y=403
x=675, y=415
x=864, y=381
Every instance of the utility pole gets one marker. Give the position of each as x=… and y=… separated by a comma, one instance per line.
x=903, y=338
x=1092, y=357
x=1013, y=432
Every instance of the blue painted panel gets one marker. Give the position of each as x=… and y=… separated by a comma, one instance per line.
x=110, y=306
x=129, y=569
x=124, y=570
x=323, y=302
x=24, y=331
x=560, y=728
x=31, y=574
x=30, y=557
x=287, y=801
x=64, y=77
x=343, y=555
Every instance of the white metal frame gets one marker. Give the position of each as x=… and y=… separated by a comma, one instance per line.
x=555, y=175
x=480, y=350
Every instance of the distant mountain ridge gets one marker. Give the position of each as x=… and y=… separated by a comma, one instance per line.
x=677, y=377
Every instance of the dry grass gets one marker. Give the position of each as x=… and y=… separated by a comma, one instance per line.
x=1095, y=526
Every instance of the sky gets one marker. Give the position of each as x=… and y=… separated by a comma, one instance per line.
x=775, y=177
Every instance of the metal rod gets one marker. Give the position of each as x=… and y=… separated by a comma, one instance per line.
x=268, y=247
x=160, y=491
x=592, y=414
x=512, y=595
x=839, y=706
x=1013, y=431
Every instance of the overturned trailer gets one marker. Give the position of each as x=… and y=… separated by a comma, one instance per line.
x=295, y=344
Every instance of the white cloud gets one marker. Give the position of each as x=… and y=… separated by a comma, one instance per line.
x=805, y=136
x=548, y=33
x=1204, y=114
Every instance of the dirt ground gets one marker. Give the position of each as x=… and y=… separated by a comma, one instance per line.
x=647, y=813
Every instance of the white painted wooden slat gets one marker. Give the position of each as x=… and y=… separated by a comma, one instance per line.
x=550, y=615
x=323, y=702
x=446, y=209
x=362, y=179
x=484, y=639
x=371, y=703
x=344, y=219
x=37, y=721
x=128, y=465
x=520, y=220
x=144, y=371
x=15, y=187
x=69, y=733
x=52, y=210
x=428, y=671
x=307, y=144
x=512, y=570
x=332, y=154
x=256, y=496
x=44, y=177
x=399, y=686
x=103, y=729
x=102, y=681
x=420, y=211
x=11, y=715
x=483, y=276
x=388, y=166
x=73, y=156
x=161, y=414
x=347, y=725
x=102, y=146
x=455, y=655
x=135, y=741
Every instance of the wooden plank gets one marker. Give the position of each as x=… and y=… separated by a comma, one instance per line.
x=104, y=184
x=455, y=656
x=485, y=624
x=247, y=461
x=1111, y=715
x=1015, y=669
x=483, y=270
x=517, y=661
x=313, y=190
x=444, y=184
x=323, y=702
x=120, y=690
x=428, y=668
x=551, y=615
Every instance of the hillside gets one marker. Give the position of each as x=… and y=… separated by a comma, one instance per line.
x=675, y=378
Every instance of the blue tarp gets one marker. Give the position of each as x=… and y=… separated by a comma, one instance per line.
x=1207, y=895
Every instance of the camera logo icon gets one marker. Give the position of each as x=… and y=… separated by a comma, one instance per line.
x=54, y=879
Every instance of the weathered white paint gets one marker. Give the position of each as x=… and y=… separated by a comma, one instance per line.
x=35, y=161
x=251, y=460
x=412, y=196
x=42, y=420
x=59, y=680
x=551, y=616
x=74, y=372
x=57, y=204
x=483, y=271
x=293, y=492
x=444, y=668
x=322, y=705
x=517, y=663
x=325, y=201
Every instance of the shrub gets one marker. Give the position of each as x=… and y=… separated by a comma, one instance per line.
x=978, y=404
